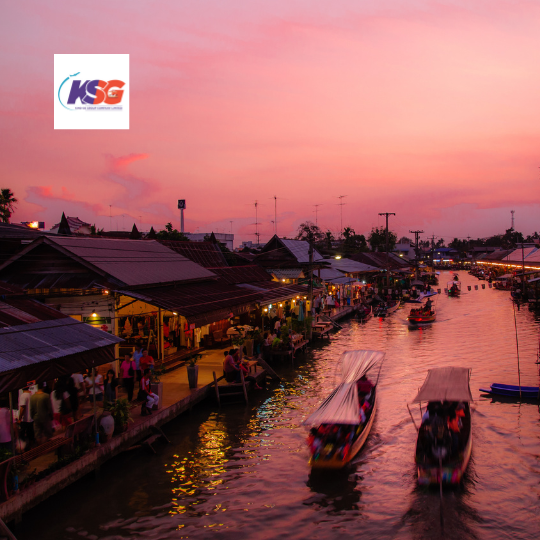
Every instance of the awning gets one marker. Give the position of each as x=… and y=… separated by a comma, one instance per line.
x=199, y=303
x=47, y=349
x=342, y=406
x=286, y=273
x=446, y=384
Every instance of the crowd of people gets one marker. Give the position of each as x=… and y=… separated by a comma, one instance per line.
x=44, y=410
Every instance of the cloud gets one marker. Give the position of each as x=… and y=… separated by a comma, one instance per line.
x=135, y=188
x=44, y=194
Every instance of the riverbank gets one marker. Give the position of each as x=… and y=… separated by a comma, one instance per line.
x=177, y=398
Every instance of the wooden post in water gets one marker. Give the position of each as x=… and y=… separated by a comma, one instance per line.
x=517, y=348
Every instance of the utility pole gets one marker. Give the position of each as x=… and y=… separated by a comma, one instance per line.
x=387, y=263
x=416, y=249
x=310, y=285
x=231, y=225
x=512, y=212
x=256, y=222
x=432, y=252
x=341, y=203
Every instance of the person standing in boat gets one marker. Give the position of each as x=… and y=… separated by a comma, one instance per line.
x=429, y=303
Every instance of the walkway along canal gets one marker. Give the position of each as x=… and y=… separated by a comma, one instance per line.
x=242, y=470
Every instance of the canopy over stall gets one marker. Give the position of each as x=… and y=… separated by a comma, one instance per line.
x=446, y=384
x=341, y=406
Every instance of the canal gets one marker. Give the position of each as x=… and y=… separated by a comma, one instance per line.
x=241, y=472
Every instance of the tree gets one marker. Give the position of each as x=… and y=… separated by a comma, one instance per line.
x=533, y=237
x=171, y=234
x=377, y=239
x=328, y=239
x=439, y=243
x=309, y=231
x=7, y=204
x=353, y=243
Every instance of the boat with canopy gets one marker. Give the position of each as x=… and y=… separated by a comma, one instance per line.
x=444, y=444
x=422, y=315
x=341, y=425
x=454, y=288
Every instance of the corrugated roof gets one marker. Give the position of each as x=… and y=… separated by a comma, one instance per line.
x=132, y=262
x=519, y=254
x=242, y=274
x=28, y=344
x=327, y=274
x=351, y=267
x=207, y=254
x=21, y=310
x=300, y=249
x=533, y=257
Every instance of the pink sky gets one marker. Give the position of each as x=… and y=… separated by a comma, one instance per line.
x=427, y=109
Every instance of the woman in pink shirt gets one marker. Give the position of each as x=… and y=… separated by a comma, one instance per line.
x=127, y=373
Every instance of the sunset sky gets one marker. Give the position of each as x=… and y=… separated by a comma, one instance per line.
x=427, y=109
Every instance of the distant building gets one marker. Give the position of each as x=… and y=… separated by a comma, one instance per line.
x=76, y=225
x=222, y=238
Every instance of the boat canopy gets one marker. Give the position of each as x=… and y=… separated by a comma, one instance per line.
x=342, y=406
x=445, y=384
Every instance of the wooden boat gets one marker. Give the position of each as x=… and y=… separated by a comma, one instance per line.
x=454, y=288
x=421, y=315
x=383, y=309
x=364, y=313
x=440, y=457
x=343, y=422
x=512, y=391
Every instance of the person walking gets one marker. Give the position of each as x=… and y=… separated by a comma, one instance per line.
x=26, y=424
x=42, y=414
x=109, y=387
x=136, y=358
x=127, y=373
x=148, y=397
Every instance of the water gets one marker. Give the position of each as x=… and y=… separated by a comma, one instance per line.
x=243, y=470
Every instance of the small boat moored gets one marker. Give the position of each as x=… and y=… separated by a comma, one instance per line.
x=444, y=444
x=342, y=423
x=513, y=391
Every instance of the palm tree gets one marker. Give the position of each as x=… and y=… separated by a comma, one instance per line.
x=7, y=204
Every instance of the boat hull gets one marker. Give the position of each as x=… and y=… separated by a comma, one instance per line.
x=335, y=463
x=509, y=390
x=419, y=319
x=452, y=474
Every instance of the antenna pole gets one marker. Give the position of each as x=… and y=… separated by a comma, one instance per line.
x=341, y=203
x=512, y=212
x=316, y=216
x=275, y=214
